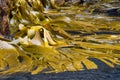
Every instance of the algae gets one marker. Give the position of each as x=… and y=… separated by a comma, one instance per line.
x=54, y=40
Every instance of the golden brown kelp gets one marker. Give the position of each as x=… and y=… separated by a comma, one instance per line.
x=13, y=59
x=40, y=43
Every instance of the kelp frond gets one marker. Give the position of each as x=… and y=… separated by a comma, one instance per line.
x=13, y=59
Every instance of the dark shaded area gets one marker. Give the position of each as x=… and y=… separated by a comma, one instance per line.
x=105, y=74
x=4, y=16
x=92, y=33
x=108, y=11
x=113, y=12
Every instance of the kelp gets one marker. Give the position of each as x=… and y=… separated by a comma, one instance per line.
x=45, y=42
x=13, y=59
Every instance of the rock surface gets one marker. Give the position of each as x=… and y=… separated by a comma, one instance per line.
x=4, y=15
x=106, y=74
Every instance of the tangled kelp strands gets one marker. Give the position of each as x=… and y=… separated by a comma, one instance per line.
x=51, y=41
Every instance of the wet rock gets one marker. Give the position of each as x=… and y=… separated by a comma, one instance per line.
x=107, y=74
x=111, y=8
x=4, y=16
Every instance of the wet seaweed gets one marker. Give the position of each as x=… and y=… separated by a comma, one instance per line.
x=42, y=43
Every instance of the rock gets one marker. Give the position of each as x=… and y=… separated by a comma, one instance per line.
x=4, y=17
